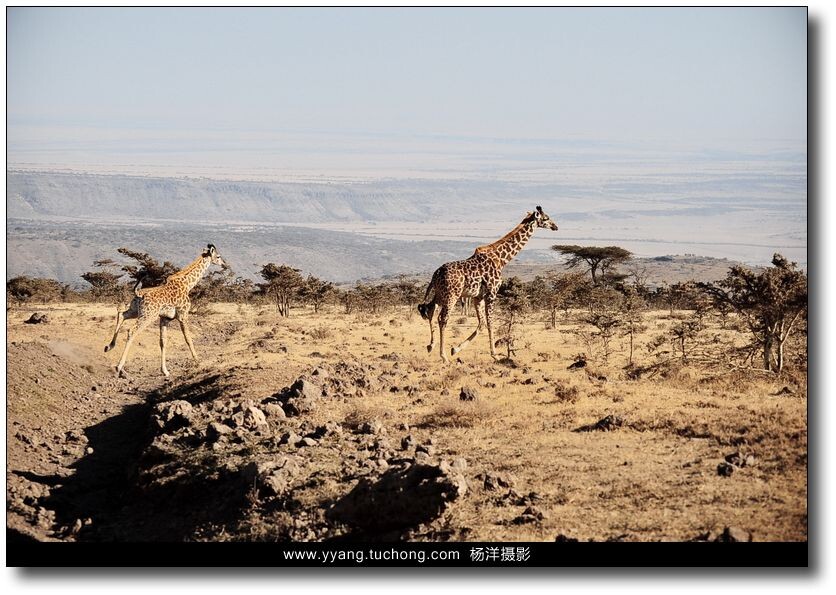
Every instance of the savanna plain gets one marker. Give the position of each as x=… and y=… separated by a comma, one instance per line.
x=339, y=426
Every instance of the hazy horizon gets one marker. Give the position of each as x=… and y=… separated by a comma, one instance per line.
x=652, y=127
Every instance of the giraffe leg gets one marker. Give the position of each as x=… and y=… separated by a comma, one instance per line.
x=431, y=311
x=184, y=326
x=163, y=329
x=121, y=317
x=488, y=317
x=141, y=325
x=442, y=322
x=472, y=336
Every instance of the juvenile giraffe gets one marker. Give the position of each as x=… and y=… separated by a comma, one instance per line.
x=477, y=278
x=166, y=302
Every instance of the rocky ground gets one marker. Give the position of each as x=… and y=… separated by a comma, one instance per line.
x=327, y=427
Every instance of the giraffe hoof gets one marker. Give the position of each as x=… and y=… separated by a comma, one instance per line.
x=454, y=350
x=107, y=348
x=429, y=348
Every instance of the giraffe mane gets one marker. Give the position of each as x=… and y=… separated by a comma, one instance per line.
x=488, y=247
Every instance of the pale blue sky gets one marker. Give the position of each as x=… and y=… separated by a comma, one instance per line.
x=687, y=74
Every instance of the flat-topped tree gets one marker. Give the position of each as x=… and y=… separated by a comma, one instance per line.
x=598, y=259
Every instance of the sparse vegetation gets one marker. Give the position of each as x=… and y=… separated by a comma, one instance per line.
x=372, y=399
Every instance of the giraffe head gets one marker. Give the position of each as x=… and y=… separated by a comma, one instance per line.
x=212, y=253
x=544, y=220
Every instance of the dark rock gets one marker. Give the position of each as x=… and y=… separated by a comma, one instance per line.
x=468, y=394
x=530, y=515
x=332, y=428
x=495, y=481
x=422, y=458
x=408, y=442
x=271, y=478
x=373, y=427
x=561, y=538
x=37, y=318
x=75, y=436
x=249, y=417
x=403, y=497
x=725, y=469
x=171, y=416
x=457, y=465
x=306, y=388
x=215, y=430
x=427, y=448
x=577, y=365
x=300, y=405
x=274, y=411
x=605, y=424
x=290, y=438
x=733, y=534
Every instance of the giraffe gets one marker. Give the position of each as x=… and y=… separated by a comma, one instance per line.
x=166, y=302
x=478, y=279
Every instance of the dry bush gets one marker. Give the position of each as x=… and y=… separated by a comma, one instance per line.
x=457, y=415
x=566, y=393
x=320, y=333
x=364, y=413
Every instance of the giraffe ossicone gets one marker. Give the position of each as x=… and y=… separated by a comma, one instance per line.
x=167, y=302
x=477, y=278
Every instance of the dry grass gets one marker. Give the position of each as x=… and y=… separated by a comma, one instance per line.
x=653, y=478
x=458, y=415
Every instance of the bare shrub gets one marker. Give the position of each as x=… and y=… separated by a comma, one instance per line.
x=460, y=414
x=320, y=333
x=566, y=393
x=366, y=413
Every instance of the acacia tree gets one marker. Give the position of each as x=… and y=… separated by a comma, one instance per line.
x=316, y=291
x=598, y=260
x=105, y=281
x=373, y=297
x=631, y=308
x=23, y=289
x=105, y=285
x=513, y=303
x=282, y=283
x=146, y=269
x=408, y=292
x=221, y=286
x=770, y=302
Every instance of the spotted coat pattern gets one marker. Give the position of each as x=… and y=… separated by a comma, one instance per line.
x=167, y=302
x=477, y=278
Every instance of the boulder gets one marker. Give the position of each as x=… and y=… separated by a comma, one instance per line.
x=468, y=394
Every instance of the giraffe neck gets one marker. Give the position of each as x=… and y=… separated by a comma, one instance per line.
x=508, y=246
x=192, y=273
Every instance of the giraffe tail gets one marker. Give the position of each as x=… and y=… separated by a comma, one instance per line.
x=428, y=307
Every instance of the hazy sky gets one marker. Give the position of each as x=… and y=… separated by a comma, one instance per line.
x=687, y=74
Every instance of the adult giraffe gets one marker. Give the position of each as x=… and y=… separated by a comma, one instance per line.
x=477, y=278
x=165, y=303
